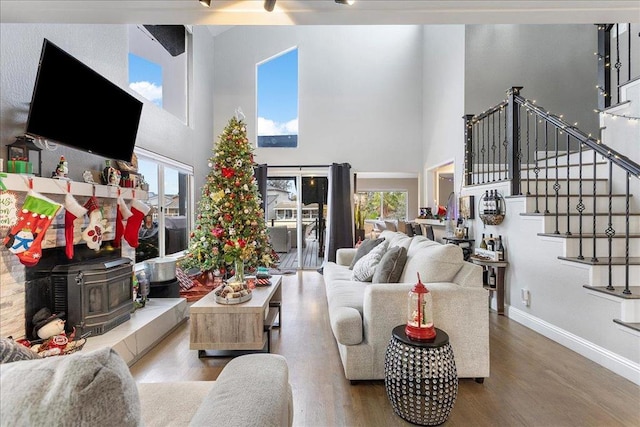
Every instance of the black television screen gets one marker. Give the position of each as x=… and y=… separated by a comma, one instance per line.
x=75, y=106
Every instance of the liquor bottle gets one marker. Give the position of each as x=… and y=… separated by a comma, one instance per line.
x=496, y=203
x=485, y=276
x=500, y=248
x=485, y=204
x=490, y=203
x=492, y=278
x=490, y=243
x=483, y=242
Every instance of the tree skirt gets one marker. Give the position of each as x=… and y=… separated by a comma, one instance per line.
x=201, y=285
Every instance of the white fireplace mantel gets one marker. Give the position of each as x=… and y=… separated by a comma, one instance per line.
x=22, y=183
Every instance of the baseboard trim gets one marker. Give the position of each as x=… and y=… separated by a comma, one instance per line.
x=614, y=362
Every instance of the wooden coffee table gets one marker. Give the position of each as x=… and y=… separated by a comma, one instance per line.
x=230, y=329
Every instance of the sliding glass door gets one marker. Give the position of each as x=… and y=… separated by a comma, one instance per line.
x=297, y=203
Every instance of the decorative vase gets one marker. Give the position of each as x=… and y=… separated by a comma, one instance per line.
x=238, y=267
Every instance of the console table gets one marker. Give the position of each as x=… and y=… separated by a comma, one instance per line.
x=500, y=267
x=245, y=326
x=420, y=377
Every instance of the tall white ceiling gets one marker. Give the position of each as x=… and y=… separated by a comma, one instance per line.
x=319, y=12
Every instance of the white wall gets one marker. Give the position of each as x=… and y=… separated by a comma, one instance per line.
x=359, y=92
x=104, y=48
x=443, y=104
x=554, y=63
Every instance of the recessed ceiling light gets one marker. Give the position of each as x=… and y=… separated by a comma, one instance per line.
x=349, y=2
x=206, y=3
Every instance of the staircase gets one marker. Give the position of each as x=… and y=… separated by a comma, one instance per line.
x=573, y=201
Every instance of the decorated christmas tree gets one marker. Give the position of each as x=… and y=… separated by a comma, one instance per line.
x=230, y=224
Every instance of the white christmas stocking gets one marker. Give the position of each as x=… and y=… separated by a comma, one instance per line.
x=94, y=231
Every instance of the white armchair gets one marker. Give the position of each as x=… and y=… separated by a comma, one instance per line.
x=280, y=237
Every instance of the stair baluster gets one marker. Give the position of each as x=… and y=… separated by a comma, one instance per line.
x=556, y=184
x=610, y=232
x=626, y=290
x=580, y=206
x=595, y=159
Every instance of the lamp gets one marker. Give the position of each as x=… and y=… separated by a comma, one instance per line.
x=23, y=156
x=206, y=3
x=269, y=5
x=420, y=314
x=349, y=2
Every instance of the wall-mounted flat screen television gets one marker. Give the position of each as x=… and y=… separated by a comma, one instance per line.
x=77, y=107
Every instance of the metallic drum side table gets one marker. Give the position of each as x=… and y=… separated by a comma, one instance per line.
x=420, y=377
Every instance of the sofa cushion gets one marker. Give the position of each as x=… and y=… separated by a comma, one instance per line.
x=175, y=412
x=11, y=351
x=365, y=267
x=435, y=263
x=263, y=378
x=396, y=238
x=391, y=265
x=365, y=247
x=390, y=225
x=85, y=388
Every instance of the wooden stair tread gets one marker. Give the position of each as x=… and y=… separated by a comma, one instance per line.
x=603, y=261
x=617, y=292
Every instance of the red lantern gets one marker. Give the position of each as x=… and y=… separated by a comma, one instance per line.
x=420, y=314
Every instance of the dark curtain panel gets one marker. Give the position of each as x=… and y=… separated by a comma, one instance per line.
x=260, y=172
x=339, y=220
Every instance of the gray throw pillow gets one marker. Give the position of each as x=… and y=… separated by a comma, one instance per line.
x=364, y=248
x=11, y=351
x=366, y=266
x=390, y=267
x=81, y=389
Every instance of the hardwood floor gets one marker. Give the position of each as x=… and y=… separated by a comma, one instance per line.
x=534, y=381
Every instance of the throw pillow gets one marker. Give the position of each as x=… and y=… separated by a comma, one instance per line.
x=391, y=265
x=85, y=388
x=366, y=266
x=364, y=248
x=11, y=351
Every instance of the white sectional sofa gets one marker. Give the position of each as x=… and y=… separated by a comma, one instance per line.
x=363, y=314
x=96, y=389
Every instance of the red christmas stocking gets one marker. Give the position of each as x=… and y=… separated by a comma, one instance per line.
x=123, y=213
x=138, y=211
x=25, y=238
x=73, y=210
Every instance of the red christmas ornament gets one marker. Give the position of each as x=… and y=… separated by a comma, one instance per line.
x=227, y=172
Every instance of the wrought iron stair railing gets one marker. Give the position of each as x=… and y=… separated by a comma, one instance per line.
x=545, y=157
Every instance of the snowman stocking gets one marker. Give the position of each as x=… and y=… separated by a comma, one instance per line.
x=123, y=213
x=25, y=238
x=73, y=210
x=138, y=211
x=94, y=231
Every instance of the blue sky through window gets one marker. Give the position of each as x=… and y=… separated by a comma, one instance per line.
x=278, y=95
x=145, y=77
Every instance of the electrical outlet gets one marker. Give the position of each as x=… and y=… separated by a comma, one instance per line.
x=525, y=296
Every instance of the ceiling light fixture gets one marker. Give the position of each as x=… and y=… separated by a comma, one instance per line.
x=269, y=5
x=349, y=2
x=206, y=3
